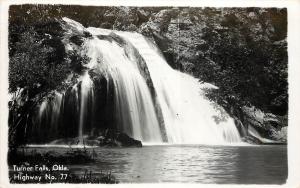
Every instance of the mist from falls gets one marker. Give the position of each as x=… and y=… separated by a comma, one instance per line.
x=151, y=101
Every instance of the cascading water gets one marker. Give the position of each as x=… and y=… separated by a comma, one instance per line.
x=86, y=95
x=189, y=117
x=50, y=112
x=138, y=82
x=134, y=108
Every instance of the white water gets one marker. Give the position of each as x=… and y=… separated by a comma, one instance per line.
x=188, y=116
x=135, y=110
x=87, y=93
x=50, y=112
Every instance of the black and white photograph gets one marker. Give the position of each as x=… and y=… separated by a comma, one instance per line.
x=147, y=94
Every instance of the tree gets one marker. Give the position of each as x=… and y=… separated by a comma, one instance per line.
x=37, y=65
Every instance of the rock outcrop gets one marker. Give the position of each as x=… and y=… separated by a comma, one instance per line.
x=264, y=125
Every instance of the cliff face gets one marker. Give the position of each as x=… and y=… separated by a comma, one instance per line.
x=240, y=50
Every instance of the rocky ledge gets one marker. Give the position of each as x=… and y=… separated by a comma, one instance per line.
x=104, y=138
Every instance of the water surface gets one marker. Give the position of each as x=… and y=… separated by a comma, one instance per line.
x=193, y=164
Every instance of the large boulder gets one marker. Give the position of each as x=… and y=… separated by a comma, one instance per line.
x=114, y=138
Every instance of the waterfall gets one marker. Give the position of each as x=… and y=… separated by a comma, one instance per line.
x=188, y=115
x=133, y=103
x=50, y=112
x=138, y=81
x=86, y=92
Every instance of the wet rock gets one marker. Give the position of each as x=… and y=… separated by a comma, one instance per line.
x=114, y=138
x=106, y=25
x=78, y=40
x=268, y=125
x=127, y=141
x=280, y=135
x=105, y=138
x=251, y=140
x=143, y=15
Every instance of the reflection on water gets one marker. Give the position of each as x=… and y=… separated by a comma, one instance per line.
x=202, y=164
x=193, y=164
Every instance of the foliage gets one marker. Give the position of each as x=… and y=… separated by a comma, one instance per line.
x=243, y=51
x=36, y=66
x=250, y=58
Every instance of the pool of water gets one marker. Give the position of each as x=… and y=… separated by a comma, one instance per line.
x=193, y=164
